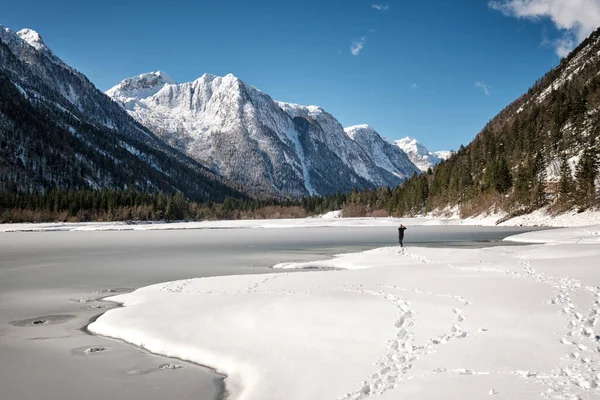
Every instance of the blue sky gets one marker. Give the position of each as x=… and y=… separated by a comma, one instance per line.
x=437, y=70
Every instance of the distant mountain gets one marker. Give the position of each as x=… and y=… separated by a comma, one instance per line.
x=419, y=154
x=385, y=154
x=58, y=131
x=246, y=136
x=443, y=154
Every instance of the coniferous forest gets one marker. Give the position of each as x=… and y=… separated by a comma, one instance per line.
x=133, y=205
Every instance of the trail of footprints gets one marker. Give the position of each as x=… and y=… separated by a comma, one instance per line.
x=583, y=341
x=180, y=287
x=578, y=375
x=401, y=352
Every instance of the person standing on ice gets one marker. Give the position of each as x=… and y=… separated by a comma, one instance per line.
x=401, y=230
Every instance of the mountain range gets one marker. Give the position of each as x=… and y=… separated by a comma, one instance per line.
x=246, y=136
x=210, y=138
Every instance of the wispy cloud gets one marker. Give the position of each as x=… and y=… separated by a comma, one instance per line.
x=486, y=88
x=381, y=6
x=414, y=86
x=358, y=45
x=575, y=18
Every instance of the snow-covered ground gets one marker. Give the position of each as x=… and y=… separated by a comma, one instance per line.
x=332, y=218
x=329, y=219
x=428, y=323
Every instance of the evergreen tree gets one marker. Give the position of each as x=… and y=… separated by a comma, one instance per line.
x=566, y=185
x=539, y=181
x=502, y=178
x=587, y=171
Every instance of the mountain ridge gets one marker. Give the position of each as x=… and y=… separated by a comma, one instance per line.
x=248, y=137
x=385, y=155
x=59, y=131
x=419, y=154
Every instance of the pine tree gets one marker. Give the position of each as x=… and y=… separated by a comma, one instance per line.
x=565, y=186
x=169, y=212
x=587, y=171
x=539, y=181
x=502, y=178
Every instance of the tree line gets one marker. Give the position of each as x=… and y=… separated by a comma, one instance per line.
x=136, y=205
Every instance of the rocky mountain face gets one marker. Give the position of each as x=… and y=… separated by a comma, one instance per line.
x=246, y=136
x=384, y=154
x=419, y=154
x=58, y=131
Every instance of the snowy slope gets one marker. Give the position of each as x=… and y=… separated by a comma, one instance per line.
x=384, y=154
x=419, y=155
x=246, y=136
x=390, y=323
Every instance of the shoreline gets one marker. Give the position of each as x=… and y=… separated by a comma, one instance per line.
x=221, y=392
x=450, y=217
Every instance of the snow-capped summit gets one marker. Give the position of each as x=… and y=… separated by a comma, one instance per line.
x=33, y=38
x=444, y=154
x=248, y=137
x=385, y=155
x=133, y=89
x=419, y=154
x=359, y=130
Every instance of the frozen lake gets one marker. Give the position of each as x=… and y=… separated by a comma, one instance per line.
x=50, y=283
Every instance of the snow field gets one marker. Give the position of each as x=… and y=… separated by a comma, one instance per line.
x=512, y=322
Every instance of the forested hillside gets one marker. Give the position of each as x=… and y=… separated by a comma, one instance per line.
x=57, y=131
x=541, y=150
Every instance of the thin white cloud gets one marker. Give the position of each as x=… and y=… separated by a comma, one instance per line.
x=577, y=19
x=484, y=87
x=358, y=45
x=414, y=86
x=381, y=6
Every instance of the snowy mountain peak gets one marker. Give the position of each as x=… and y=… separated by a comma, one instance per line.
x=133, y=89
x=33, y=38
x=12, y=40
x=413, y=145
x=363, y=129
x=298, y=110
x=229, y=83
x=208, y=78
x=444, y=154
x=27, y=45
x=419, y=154
x=386, y=155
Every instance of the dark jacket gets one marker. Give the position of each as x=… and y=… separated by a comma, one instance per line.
x=401, y=232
